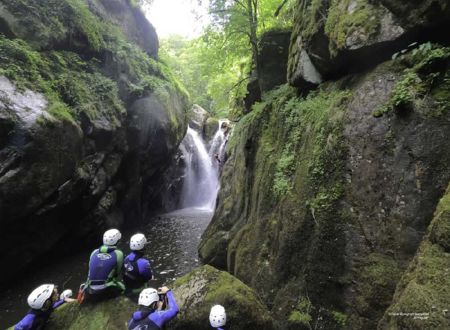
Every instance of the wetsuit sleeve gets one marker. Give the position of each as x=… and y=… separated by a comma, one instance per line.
x=26, y=323
x=58, y=303
x=161, y=317
x=145, y=269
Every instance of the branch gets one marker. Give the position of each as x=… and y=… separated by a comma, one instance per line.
x=277, y=12
x=238, y=83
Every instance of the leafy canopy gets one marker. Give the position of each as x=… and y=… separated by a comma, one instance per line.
x=215, y=66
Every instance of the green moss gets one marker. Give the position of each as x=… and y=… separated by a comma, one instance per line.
x=301, y=315
x=299, y=318
x=425, y=75
x=341, y=23
x=340, y=318
x=376, y=280
x=425, y=287
x=85, y=22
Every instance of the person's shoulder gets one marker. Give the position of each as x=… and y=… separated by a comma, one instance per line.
x=26, y=322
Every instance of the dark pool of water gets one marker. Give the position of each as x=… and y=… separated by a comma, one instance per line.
x=172, y=249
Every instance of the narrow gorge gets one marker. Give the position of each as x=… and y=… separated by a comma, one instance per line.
x=309, y=188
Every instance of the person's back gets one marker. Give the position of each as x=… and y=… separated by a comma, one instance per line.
x=137, y=271
x=105, y=269
x=148, y=316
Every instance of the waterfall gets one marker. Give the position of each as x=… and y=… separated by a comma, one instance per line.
x=201, y=179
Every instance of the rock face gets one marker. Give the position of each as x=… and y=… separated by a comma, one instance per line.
x=272, y=59
x=332, y=38
x=325, y=199
x=273, y=55
x=424, y=291
x=89, y=120
x=205, y=287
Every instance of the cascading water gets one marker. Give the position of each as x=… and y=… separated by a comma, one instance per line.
x=201, y=180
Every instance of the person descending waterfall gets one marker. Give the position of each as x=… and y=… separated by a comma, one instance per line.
x=137, y=271
x=150, y=316
x=42, y=301
x=218, y=317
x=105, y=269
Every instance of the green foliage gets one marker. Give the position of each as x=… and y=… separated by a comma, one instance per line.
x=301, y=315
x=425, y=75
x=215, y=66
x=340, y=318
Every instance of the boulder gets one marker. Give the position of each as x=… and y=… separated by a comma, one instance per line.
x=272, y=59
x=333, y=38
x=210, y=128
x=112, y=314
x=205, y=287
x=197, y=117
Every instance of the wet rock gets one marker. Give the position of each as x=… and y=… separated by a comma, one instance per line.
x=210, y=128
x=204, y=287
x=197, y=117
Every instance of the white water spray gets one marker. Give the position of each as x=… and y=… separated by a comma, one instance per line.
x=201, y=180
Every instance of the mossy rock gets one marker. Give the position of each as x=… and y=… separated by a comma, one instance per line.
x=111, y=315
x=206, y=286
x=422, y=298
x=210, y=128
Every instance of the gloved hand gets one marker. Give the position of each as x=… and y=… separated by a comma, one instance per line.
x=66, y=294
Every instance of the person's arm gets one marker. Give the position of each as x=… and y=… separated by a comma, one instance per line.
x=58, y=303
x=145, y=269
x=25, y=323
x=161, y=317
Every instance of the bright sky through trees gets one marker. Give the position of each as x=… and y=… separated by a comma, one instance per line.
x=186, y=18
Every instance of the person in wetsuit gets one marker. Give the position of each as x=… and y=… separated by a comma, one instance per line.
x=137, y=271
x=105, y=269
x=42, y=301
x=217, y=317
x=149, y=317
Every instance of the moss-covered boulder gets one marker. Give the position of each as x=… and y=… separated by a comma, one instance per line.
x=210, y=128
x=332, y=38
x=423, y=294
x=205, y=287
x=112, y=314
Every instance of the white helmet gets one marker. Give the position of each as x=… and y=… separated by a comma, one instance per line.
x=111, y=237
x=137, y=242
x=39, y=296
x=66, y=294
x=217, y=316
x=148, y=297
